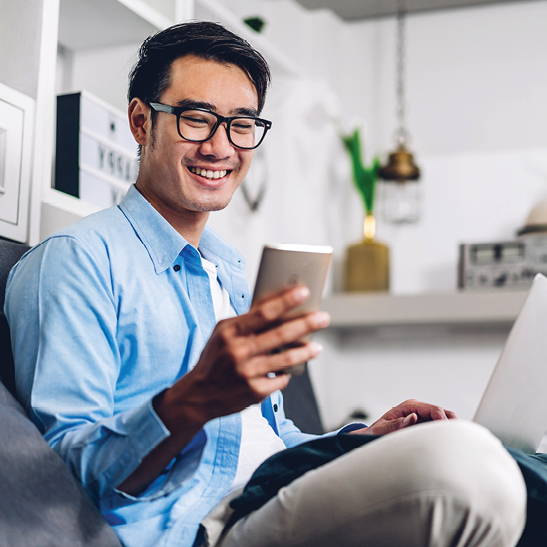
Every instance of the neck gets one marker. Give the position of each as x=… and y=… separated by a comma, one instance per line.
x=189, y=224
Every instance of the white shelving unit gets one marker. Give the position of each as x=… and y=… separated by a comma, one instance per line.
x=365, y=311
x=96, y=28
x=280, y=64
x=106, y=23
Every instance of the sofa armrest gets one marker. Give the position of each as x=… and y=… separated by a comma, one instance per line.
x=41, y=503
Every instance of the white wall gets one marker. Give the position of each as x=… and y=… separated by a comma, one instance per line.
x=476, y=79
x=20, y=31
x=78, y=70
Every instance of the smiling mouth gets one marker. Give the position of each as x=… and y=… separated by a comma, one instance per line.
x=208, y=173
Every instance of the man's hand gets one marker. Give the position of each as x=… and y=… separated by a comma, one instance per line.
x=244, y=361
x=404, y=415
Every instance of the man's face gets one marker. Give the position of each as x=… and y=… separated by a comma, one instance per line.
x=169, y=165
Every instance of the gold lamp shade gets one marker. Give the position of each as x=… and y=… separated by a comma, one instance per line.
x=400, y=166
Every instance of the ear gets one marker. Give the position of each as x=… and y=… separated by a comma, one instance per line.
x=139, y=120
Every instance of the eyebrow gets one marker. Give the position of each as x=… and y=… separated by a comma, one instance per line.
x=242, y=111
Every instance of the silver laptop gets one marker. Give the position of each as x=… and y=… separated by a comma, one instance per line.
x=514, y=405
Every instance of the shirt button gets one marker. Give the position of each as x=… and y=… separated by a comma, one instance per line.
x=176, y=267
x=275, y=408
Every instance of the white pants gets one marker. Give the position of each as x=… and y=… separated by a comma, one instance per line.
x=445, y=483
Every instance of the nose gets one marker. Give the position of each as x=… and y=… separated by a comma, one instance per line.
x=218, y=146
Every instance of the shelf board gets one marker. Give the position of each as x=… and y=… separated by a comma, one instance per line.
x=280, y=63
x=68, y=203
x=85, y=24
x=350, y=10
x=447, y=309
x=59, y=210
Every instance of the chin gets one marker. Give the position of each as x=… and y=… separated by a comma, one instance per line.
x=212, y=206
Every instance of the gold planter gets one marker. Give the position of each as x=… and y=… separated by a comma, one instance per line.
x=367, y=263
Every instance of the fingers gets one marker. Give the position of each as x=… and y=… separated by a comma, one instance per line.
x=409, y=420
x=407, y=414
x=433, y=412
x=271, y=310
x=235, y=368
x=384, y=426
x=263, y=331
x=279, y=362
x=424, y=411
x=266, y=385
x=290, y=332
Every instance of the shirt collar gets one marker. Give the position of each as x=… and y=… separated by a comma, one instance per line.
x=164, y=243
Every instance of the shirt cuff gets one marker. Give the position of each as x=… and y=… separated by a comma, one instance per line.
x=182, y=467
x=144, y=429
x=354, y=426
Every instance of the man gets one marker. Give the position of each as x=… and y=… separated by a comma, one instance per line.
x=162, y=412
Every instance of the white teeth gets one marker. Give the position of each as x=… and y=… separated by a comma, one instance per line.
x=208, y=173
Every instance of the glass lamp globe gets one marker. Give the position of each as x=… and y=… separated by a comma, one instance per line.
x=400, y=189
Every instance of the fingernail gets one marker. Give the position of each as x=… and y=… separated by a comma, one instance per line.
x=322, y=319
x=301, y=293
x=407, y=420
x=316, y=348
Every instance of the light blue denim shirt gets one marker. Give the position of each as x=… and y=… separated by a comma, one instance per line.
x=104, y=315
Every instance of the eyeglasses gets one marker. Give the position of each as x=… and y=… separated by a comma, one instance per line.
x=200, y=124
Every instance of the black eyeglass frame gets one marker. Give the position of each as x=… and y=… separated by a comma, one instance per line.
x=178, y=110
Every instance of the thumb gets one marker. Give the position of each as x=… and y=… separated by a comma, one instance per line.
x=394, y=425
x=411, y=419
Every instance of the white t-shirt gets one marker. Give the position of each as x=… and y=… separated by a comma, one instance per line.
x=258, y=439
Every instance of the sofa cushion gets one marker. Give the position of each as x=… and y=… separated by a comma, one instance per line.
x=10, y=253
x=41, y=503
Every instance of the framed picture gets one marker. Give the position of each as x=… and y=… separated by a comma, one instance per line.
x=16, y=131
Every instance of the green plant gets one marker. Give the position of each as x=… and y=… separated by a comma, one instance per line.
x=256, y=23
x=364, y=177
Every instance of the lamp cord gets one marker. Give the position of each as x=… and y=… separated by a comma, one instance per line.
x=402, y=133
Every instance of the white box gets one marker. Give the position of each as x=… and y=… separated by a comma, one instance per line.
x=96, y=157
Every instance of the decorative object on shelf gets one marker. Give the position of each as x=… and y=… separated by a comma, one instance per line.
x=401, y=192
x=96, y=157
x=256, y=23
x=536, y=221
x=367, y=262
x=511, y=264
x=508, y=265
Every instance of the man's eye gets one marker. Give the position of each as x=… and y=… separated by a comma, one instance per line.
x=194, y=120
x=243, y=126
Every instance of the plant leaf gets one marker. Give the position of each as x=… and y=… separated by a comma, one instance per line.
x=364, y=177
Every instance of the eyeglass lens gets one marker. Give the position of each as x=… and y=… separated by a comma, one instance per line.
x=195, y=125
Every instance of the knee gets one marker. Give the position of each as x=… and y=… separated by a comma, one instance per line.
x=465, y=462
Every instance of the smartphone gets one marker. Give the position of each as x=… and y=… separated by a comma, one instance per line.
x=285, y=266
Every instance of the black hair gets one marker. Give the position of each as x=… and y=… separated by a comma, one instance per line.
x=149, y=77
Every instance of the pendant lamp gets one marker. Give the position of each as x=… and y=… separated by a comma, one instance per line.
x=400, y=189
